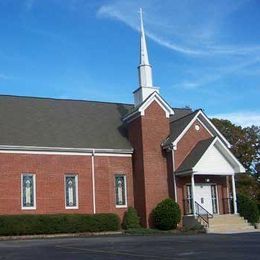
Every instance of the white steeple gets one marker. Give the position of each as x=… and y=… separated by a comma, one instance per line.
x=146, y=87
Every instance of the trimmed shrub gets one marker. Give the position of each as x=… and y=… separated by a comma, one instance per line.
x=247, y=208
x=62, y=223
x=166, y=215
x=131, y=219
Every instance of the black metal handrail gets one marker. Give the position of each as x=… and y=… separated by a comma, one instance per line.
x=202, y=213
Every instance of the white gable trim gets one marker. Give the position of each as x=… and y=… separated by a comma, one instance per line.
x=153, y=97
x=196, y=117
x=213, y=126
x=156, y=97
x=185, y=130
x=239, y=166
x=204, y=126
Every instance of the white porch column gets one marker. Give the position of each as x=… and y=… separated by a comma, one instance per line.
x=234, y=194
x=192, y=193
x=174, y=178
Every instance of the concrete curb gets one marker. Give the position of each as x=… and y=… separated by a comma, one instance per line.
x=67, y=235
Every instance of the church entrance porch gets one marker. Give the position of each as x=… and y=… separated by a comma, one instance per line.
x=203, y=198
x=207, y=194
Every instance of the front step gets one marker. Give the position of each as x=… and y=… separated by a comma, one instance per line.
x=229, y=224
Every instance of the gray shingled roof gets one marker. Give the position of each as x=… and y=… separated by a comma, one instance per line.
x=46, y=122
x=180, y=112
x=177, y=126
x=194, y=156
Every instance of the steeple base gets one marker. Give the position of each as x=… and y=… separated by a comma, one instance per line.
x=142, y=93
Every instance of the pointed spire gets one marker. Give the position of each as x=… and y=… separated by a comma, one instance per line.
x=143, y=49
x=145, y=69
x=146, y=87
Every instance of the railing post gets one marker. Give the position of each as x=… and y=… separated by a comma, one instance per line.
x=192, y=194
x=234, y=194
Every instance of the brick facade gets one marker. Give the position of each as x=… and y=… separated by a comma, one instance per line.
x=150, y=160
x=189, y=141
x=149, y=173
x=50, y=171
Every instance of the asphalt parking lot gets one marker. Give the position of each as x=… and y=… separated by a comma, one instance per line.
x=201, y=246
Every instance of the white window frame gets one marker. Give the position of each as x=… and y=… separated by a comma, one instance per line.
x=34, y=191
x=77, y=191
x=125, y=188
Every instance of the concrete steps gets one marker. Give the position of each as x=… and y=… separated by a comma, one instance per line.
x=229, y=224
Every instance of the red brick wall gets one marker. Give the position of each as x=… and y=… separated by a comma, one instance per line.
x=50, y=171
x=188, y=142
x=136, y=139
x=105, y=170
x=146, y=134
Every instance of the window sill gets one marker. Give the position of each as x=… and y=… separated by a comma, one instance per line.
x=121, y=206
x=28, y=208
x=72, y=207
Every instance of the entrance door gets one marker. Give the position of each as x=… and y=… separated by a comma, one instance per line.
x=202, y=193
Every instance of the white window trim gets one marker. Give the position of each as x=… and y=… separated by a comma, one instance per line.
x=34, y=191
x=77, y=191
x=125, y=184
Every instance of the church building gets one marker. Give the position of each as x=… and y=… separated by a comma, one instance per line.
x=76, y=156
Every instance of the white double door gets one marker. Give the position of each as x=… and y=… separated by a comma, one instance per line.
x=205, y=196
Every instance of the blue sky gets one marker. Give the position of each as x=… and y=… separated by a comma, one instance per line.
x=205, y=54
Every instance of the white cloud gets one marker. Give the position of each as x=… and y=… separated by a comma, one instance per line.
x=241, y=118
x=188, y=27
x=218, y=73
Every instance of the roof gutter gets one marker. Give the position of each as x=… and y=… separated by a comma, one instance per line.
x=65, y=149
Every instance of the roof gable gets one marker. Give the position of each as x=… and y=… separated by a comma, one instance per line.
x=180, y=126
x=140, y=110
x=211, y=157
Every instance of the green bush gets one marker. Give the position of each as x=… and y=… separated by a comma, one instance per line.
x=247, y=208
x=166, y=215
x=131, y=219
x=62, y=223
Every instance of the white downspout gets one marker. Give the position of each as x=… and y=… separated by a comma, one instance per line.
x=174, y=179
x=234, y=194
x=192, y=192
x=93, y=180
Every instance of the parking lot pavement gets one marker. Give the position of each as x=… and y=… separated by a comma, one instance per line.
x=202, y=246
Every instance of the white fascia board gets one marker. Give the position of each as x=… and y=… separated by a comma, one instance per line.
x=141, y=110
x=196, y=117
x=229, y=153
x=65, y=150
x=204, y=126
x=185, y=130
x=156, y=97
x=212, y=125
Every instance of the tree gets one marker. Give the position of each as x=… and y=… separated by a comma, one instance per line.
x=246, y=147
x=246, y=184
x=244, y=141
